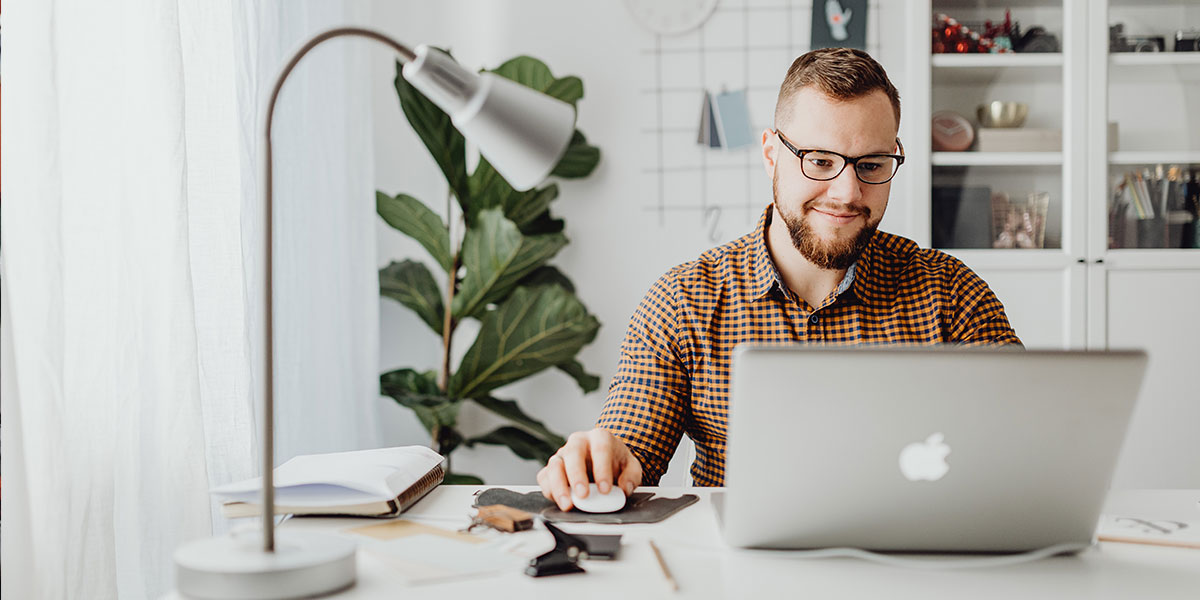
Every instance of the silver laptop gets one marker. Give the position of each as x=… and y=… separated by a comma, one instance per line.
x=942, y=449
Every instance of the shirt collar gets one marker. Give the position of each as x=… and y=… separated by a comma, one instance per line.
x=859, y=279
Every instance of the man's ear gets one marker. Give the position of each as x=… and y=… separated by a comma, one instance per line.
x=770, y=151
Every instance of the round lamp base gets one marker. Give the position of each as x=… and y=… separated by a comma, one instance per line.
x=228, y=568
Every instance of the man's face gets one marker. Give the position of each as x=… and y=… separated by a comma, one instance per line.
x=830, y=222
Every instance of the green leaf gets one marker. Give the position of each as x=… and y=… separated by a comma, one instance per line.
x=532, y=330
x=448, y=439
x=543, y=225
x=433, y=126
x=489, y=189
x=509, y=410
x=523, y=208
x=419, y=391
x=417, y=221
x=567, y=89
x=410, y=283
x=409, y=382
x=579, y=160
x=496, y=256
x=461, y=479
x=521, y=442
x=587, y=382
x=531, y=72
x=547, y=275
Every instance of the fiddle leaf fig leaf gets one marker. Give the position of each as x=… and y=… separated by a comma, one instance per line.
x=434, y=127
x=532, y=330
x=412, y=218
x=496, y=257
x=587, y=382
x=489, y=189
x=567, y=89
x=533, y=73
x=548, y=275
x=579, y=160
x=461, y=479
x=524, y=208
x=509, y=410
x=521, y=442
x=410, y=283
x=418, y=391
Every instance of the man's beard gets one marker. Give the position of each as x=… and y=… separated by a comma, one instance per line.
x=838, y=254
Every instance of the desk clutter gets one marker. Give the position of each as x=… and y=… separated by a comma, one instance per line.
x=507, y=533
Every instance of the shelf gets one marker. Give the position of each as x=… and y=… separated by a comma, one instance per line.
x=997, y=61
x=1154, y=158
x=995, y=159
x=1152, y=259
x=1145, y=59
x=1031, y=259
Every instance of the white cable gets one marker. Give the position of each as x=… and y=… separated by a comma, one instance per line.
x=923, y=563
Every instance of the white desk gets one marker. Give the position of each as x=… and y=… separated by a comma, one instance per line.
x=706, y=568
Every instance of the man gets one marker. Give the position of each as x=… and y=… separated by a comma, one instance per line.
x=814, y=270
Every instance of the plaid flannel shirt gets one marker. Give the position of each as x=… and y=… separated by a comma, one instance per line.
x=673, y=373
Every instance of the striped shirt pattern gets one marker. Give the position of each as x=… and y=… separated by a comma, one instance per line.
x=673, y=373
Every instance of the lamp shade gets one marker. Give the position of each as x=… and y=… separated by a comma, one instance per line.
x=522, y=132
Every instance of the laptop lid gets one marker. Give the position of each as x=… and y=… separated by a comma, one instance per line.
x=922, y=449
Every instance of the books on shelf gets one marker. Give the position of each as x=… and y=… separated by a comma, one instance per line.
x=382, y=482
x=994, y=139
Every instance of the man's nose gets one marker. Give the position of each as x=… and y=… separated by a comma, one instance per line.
x=846, y=187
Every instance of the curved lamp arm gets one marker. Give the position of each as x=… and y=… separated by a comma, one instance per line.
x=522, y=132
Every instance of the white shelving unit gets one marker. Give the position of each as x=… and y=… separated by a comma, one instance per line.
x=1082, y=293
x=1154, y=157
x=995, y=159
x=996, y=61
x=1143, y=59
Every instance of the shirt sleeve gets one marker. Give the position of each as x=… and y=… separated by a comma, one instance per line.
x=978, y=317
x=647, y=405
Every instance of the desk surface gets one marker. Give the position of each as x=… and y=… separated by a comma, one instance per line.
x=705, y=568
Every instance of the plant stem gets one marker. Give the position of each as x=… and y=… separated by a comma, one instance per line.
x=447, y=319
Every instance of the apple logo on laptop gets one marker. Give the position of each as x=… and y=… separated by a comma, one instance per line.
x=925, y=461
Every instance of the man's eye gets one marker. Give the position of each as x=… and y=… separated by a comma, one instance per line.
x=869, y=167
x=823, y=163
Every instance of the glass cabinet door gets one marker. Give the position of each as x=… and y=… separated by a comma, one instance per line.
x=1153, y=124
x=998, y=99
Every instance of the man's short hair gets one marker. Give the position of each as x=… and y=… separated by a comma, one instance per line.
x=841, y=73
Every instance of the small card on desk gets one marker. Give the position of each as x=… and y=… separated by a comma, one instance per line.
x=1156, y=532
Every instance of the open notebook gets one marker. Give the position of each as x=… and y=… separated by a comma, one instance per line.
x=382, y=482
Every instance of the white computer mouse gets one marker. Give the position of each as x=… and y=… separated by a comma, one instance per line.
x=595, y=502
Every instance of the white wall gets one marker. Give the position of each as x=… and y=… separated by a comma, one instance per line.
x=618, y=247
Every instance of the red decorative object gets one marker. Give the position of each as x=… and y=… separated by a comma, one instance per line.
x=951, y=36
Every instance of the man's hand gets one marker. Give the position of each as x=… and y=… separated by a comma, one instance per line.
x=599, y=452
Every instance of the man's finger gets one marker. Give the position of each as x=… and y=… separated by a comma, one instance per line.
x=575, y=457
x=631, y=474
x=554, y=484
x=602, y=459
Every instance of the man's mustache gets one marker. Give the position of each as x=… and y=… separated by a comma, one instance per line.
x=837, y=209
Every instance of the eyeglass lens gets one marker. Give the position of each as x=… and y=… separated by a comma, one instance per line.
x=871, y=169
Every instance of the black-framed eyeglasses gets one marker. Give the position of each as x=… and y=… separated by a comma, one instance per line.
x=824, y=165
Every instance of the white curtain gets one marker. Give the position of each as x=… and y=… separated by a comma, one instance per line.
x=131, y=273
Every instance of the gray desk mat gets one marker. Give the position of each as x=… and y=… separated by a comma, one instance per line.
x=641, y=507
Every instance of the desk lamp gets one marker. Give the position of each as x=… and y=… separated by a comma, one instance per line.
x=523, y=133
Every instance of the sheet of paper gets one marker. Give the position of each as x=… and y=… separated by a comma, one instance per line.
x=428, y=558
x=1150, y=531
x=398, y=528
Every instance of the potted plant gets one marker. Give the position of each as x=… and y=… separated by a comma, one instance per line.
x=529, y=317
